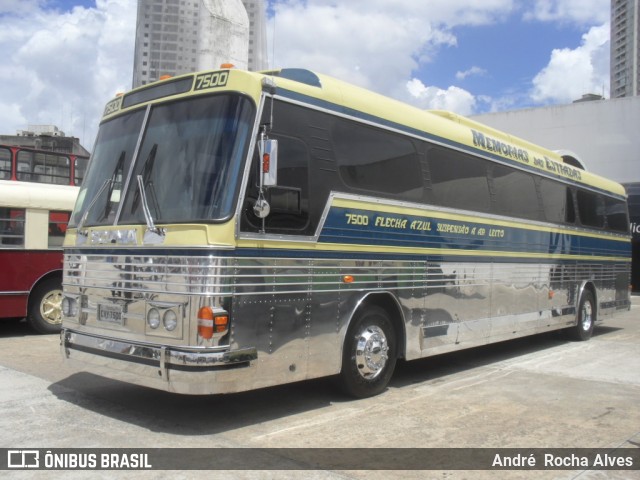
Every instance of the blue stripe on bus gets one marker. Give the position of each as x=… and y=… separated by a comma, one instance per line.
x=408, y=231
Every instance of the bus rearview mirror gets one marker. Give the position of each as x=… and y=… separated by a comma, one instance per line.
x=268, y=162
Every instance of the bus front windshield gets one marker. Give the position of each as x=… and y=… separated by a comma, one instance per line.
x=189, y=161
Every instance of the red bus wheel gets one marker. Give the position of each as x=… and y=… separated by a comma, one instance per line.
x=45, y=307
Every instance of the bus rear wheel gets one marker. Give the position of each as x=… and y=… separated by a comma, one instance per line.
x=586, y=318
x=45, y=307
x=369, y=355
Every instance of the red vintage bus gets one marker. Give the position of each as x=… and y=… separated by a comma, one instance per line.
x=38, y=189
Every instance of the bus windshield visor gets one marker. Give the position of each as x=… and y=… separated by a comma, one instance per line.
x=187, y=167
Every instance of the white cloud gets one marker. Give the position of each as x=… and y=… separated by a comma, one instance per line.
x=572, y=73
x=17, y=6
x=572, y=11
x=376, y=44
x=61, y=68
x=473, y=71
x=454, y=99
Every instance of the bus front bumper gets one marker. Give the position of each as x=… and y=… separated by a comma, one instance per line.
x=197, y=371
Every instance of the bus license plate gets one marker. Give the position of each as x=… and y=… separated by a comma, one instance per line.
x=110, y=314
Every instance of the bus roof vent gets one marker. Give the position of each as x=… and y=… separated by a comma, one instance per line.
x=299, y=75
x=571, y=158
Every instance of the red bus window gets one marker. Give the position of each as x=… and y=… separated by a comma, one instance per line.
x=5, y=164
x=11, y=227
x=80, y=168
x=57, y=227
x=43, y=167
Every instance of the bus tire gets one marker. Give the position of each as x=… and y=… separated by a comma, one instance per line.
x=369, y=354
x=583, y=330
x=44, y=313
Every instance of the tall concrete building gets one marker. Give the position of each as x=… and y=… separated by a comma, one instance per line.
x=257, y=34
x=625, y=48
x=181, y=36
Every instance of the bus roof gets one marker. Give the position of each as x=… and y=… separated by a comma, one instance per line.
x=14, y=194
x=342, y=98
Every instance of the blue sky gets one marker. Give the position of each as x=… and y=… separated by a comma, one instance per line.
x=65, y=58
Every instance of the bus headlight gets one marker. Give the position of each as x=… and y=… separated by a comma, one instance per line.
x=153, y=318
x=170, y=320
x=69, y=307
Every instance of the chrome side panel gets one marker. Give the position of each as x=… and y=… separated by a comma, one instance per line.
x=294, y=312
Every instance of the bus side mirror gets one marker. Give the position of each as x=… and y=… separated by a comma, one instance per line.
x=268, y=162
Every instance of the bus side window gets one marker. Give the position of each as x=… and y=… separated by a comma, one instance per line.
x=12, y=227
x=458, y=180
x=514, y=193
x=23, y=165
x=57, y=227
x=5, y=164
x=377, y=161
x=617, y=215
x=591, y=209
x=557, y=202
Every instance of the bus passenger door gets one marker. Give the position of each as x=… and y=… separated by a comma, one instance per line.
x=279, y=308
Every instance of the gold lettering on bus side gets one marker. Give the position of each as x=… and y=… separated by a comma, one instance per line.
x=452, y=228
x=504, y=149
x=390, y=222
x=421, y=225
x=357, y=219
x=399, y=223
x=497, y=146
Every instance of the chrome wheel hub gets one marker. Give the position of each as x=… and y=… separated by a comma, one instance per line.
x=51, y=307
x=587, y=316
x=371, y=352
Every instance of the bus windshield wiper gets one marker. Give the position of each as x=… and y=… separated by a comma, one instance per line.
x=146, y=175
x=145, y=209
x=110, y=182
x=83, y=219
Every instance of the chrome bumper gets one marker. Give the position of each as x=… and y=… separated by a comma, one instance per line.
x=175, y=369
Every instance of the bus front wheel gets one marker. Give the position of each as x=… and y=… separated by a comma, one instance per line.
x=44, y=313
x=586, y=318
x=369, y=355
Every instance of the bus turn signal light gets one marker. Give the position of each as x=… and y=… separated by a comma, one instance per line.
x=205, y=322
x=220, y=323
x=210, y=322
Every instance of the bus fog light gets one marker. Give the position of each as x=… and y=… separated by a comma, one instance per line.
x=153, y=318
x=170, y=320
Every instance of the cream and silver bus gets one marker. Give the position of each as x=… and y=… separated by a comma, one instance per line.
x=239, y=230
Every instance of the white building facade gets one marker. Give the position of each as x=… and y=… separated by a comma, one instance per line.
x=603, y=134
x=181, y=36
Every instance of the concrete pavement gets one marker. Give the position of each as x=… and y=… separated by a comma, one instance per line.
x=537, y=392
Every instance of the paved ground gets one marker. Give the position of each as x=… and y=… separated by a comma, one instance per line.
x=541, y=392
